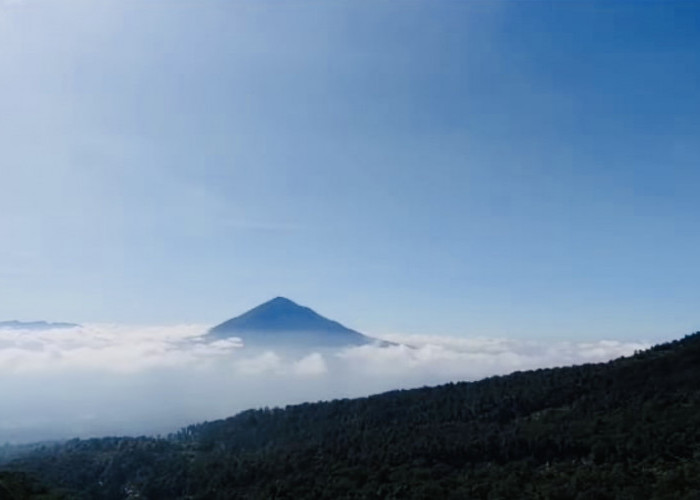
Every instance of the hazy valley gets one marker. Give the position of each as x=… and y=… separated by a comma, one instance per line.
x=119, y=380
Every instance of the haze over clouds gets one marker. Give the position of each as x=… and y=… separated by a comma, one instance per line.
x=114, y=379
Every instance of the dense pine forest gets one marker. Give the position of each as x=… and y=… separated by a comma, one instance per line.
x=626, y=429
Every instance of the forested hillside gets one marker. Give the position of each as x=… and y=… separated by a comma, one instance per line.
x=629, y=428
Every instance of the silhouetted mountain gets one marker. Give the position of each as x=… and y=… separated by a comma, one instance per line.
x=34, y=325
x=627, y=429
x=284, y=323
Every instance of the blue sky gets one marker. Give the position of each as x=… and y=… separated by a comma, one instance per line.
x=525, y=169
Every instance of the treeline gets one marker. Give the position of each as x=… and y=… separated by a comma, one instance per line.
x=629, y=428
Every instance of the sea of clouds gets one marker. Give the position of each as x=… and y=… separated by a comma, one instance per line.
x=100, y=380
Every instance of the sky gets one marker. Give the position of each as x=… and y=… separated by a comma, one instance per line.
x=525, y=170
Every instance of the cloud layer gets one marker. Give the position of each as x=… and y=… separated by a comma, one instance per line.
x=112, y=379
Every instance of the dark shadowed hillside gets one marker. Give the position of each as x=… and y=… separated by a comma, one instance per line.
x=629, y=428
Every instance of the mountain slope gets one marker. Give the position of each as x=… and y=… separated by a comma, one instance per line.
x=282, y=322
x=34, y=325
x=629, y=428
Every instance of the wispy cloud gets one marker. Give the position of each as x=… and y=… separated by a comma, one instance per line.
x=434, y=360
x=114, y=379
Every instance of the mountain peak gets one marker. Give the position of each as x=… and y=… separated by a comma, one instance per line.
x=281, y=300
x=281, y=321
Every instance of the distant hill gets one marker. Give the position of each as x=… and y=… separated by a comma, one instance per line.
x=284, y=323
x=34, y=325
x=628, y=429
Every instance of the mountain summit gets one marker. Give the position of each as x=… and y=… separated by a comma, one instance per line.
x=282, y=322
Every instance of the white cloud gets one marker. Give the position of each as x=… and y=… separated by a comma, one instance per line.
x=108, y=348
x=451, y=358
x=312, y=365
x=267, y=362
x=112, y=379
